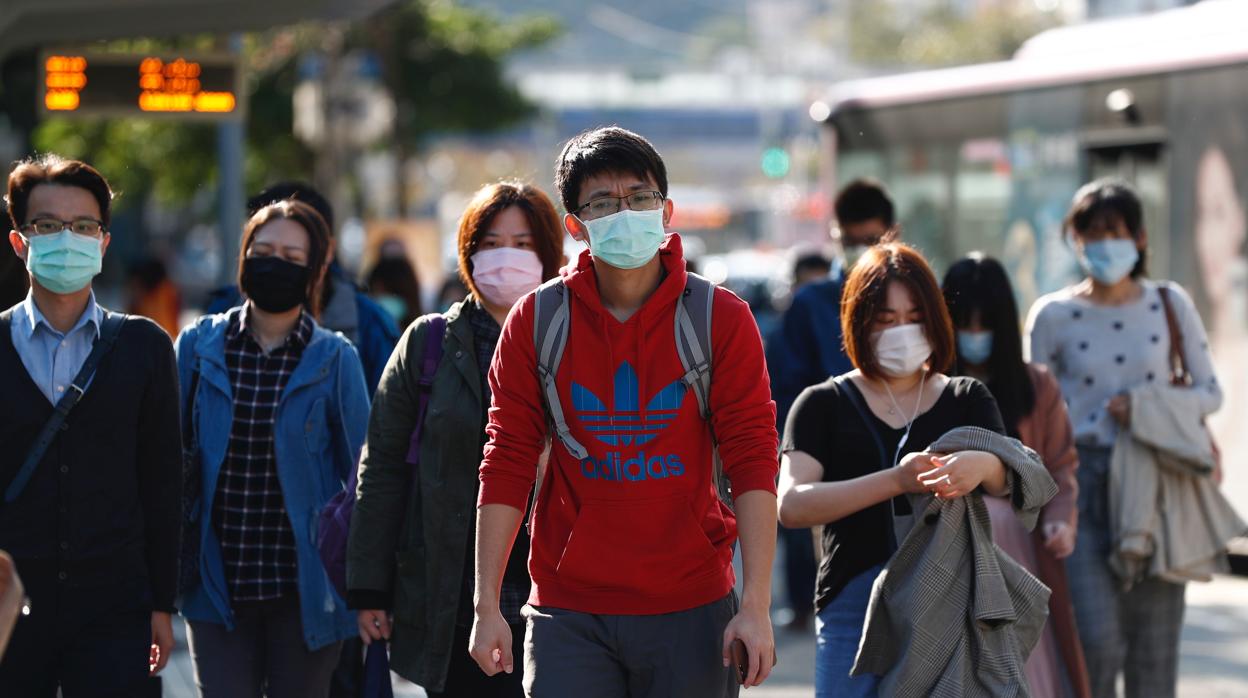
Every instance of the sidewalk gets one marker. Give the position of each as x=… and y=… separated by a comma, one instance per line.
x=1214, y=652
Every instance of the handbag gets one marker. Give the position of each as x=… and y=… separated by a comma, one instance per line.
x=1179, y=375
x=192, y=489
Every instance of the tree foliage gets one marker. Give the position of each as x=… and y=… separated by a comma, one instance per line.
x=442, y=62
x=937, y=35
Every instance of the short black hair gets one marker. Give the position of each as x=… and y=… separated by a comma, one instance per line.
x=809, y=261
x=862, y=200
x=1102, y=204
x=50, y=168
x=296, y=191
x=979, y=283
x=605, y=149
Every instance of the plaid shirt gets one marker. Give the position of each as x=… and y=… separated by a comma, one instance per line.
x=249, y=512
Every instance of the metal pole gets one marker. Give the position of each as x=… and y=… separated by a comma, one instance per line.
x=230, y=184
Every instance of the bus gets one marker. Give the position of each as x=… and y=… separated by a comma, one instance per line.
x=987, y=157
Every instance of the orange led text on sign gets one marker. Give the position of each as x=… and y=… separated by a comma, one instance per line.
x=175, y=87
x=65, y=76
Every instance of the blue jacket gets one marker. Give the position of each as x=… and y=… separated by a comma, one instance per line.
x=807, y=348
x=369, y=327
x=322, y=419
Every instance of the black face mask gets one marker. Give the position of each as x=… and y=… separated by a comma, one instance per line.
x=274, y=284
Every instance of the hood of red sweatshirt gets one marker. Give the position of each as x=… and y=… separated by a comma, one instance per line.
x=582, y=279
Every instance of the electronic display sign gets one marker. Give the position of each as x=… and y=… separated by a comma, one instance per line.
x=134, y=84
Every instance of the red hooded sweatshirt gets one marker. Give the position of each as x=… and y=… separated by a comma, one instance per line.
x=637, y=527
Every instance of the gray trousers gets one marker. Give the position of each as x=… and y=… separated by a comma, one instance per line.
x=263, y=656
x=672, y=655
x=1134, y=632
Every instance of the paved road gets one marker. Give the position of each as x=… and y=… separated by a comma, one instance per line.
x=1214, y=664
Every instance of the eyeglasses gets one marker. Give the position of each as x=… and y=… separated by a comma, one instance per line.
x=607, y=205
x=90, y=227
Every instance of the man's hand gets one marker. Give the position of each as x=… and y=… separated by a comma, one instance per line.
x=373, y=624
x=1059, y=539
x=162, y=642
x=490, y=643
x=753, y=627
x=11, y=598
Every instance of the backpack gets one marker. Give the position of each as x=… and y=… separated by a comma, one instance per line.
x=334, y=522
x=552, y=311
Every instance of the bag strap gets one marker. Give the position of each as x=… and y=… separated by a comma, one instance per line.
x=109, y=329
x=551, y=318
x=693, y=346
x=430, y=357
x=850, y=391
x=1179, y=374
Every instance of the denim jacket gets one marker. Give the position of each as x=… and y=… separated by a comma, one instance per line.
x=320, y=425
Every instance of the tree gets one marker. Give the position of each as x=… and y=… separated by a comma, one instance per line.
x=443, y=64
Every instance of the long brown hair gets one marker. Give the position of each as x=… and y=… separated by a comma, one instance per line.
x=538, y=209
x=865, y=293
x=318, y=242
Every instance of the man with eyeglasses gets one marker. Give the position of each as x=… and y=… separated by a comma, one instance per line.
x=90, y=454
x=632, y=548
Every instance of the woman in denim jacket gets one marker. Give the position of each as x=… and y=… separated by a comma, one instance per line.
x=279, y=409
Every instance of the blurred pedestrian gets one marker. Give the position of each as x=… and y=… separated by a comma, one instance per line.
x=632, y=547
x=900, y=339
x=811, y=327
x=510, y=241
x=393, y=285
x=453, y=291
x=154, y=295
x=13, y=277
x=278, y=407
x=799, y=552
x=90, y=460
x=981, y=302
x=341, y=307
x=1104, y=337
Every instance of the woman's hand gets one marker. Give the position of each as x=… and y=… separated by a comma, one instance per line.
x=1059, y=539
x=910, y=471
x=373, y=624
x=960, y=473
x=1119, y=407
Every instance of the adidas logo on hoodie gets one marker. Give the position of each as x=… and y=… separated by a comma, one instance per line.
x=627, y=425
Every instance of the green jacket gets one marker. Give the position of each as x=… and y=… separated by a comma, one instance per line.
x=410, y=550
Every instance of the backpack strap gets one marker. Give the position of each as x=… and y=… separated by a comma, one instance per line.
x=693, y=346
x=430, y=357
x=552, y=312
x=109, y=329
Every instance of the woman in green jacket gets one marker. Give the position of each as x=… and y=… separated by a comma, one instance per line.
x=410, y=552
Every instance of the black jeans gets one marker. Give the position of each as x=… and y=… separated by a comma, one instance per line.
x=264, y=655
x=464, y=679
x=90, y=642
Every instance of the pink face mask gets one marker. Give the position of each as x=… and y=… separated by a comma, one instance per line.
x=504, y=274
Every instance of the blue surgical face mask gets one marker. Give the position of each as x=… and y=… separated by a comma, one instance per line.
x=1109, y=261
x=626, y=239
x=975, y=347
x=64, y=262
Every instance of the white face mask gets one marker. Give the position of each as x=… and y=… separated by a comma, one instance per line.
x=504, y=274
x=902, y=350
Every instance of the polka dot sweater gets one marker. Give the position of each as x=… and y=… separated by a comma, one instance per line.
x=1099, y=351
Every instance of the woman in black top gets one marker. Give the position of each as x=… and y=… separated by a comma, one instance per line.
x=899, y=337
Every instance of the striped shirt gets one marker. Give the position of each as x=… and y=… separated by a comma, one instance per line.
x=249, y=511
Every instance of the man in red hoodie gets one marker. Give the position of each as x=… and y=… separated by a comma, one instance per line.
x=631, y=553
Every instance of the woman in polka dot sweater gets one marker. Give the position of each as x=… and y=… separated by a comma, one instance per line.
x=1101, y=337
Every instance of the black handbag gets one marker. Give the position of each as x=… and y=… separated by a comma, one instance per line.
x=192, y=472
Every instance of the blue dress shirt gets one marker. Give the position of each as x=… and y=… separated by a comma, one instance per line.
x=53, y=358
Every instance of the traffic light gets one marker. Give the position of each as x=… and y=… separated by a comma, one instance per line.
x=775, y=162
